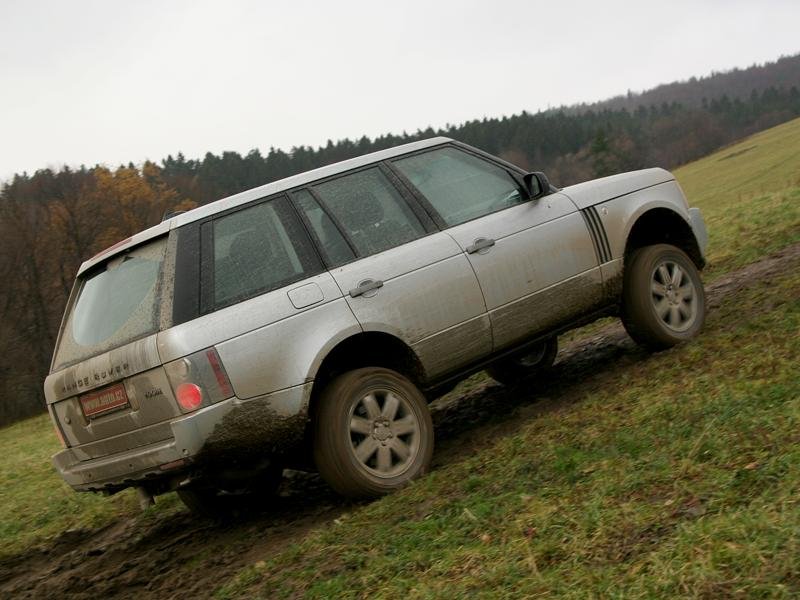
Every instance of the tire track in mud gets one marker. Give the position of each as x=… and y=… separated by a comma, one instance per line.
x=181, y=556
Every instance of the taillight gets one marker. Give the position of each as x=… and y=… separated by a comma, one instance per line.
x=198, y=380
x=189, y=396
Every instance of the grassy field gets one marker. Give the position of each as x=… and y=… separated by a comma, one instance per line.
x=36, y=504
x=750, y=196
x=677, y=475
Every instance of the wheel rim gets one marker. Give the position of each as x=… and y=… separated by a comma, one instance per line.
x=673, y=295
x=384, y=432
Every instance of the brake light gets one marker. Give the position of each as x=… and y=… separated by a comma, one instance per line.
x=199, y=380
x=189, y=396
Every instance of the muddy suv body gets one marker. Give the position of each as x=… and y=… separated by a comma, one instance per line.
x=306, y=322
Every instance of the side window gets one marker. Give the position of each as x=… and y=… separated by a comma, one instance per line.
x=371, y=210
x=333, y=243
x=460, y=186
x=258, y=249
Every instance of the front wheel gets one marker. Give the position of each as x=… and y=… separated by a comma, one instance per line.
x=663, y=301
x=373, y=433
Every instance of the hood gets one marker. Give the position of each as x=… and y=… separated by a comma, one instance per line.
x=595, y=191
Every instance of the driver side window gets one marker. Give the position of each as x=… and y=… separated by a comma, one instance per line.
x=460, y=186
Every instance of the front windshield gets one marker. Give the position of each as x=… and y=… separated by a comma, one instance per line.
x=117, y=302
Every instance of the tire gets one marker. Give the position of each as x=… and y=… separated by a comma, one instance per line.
x=663, y=300
x=373, y=433
x=533, y=363
x=229, y=501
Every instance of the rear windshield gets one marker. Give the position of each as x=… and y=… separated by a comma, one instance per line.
x=117, y=302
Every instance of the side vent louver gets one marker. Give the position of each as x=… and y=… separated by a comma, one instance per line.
x=598, y=233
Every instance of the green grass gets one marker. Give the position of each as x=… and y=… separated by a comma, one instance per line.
x=750, y=196
x=675, y=475
x=36, y=503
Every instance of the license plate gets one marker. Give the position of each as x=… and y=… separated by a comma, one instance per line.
x=105, y=400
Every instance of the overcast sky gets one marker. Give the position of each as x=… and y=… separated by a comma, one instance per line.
x=86, y=82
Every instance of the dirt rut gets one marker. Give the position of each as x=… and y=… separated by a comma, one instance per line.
x=180, y=556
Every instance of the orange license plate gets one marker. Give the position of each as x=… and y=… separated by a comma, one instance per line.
x=105, y=400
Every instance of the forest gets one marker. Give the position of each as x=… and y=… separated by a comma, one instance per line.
x=50, y=221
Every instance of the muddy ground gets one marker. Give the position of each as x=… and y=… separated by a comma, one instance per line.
x=133, y=559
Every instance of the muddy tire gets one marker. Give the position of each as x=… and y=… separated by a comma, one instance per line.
x=663, y=301
x=223, y=502
x=373, y=433
x=537, y=362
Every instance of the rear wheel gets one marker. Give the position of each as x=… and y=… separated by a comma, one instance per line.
x=223, y=501
x=535, y=362
x=663, y=301
x=373, y=433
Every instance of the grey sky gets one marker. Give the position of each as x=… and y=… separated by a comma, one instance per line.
x=87, y=82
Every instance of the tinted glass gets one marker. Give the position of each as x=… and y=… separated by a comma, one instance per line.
x=117, y=302
x=460, y=186
x=333, y=243
x=257, y=249
x=372, y=211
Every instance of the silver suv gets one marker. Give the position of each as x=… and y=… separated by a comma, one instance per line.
x=307, y=323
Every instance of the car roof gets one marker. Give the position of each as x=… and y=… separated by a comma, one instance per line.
x=262, y=191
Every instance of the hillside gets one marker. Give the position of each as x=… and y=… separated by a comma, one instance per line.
x=736, y=83
x=624, y=474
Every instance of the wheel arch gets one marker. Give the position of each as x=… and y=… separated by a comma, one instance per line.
x=663, y=225
x=366, y=349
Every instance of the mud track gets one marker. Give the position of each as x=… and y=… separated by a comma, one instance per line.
x=181, y=556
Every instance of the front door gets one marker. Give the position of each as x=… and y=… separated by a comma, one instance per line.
x=534, y=259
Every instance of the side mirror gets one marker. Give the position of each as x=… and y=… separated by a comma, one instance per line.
x=536, y=184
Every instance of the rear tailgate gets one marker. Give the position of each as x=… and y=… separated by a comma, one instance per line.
x=115, y=393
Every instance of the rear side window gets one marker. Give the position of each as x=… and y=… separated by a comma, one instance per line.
x=117, y=302
x=371, y=210
x=459, y=185
x=256, y=250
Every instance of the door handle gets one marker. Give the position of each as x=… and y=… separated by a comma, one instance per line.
x=366, y=286
x=480, y=244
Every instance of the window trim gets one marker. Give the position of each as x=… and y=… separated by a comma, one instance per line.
x=318, y=245
x=186, y=279
x=312, y=262
x=515, y=172
x=334, y=219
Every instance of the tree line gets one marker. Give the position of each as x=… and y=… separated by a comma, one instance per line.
x=51, y=221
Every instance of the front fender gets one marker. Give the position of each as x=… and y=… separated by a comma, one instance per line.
x=619, y=215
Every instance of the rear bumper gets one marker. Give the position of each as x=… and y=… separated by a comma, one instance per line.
x=195, y=437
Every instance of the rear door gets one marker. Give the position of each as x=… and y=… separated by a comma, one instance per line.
x=534, y=258
x=398, y=273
